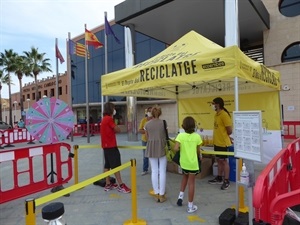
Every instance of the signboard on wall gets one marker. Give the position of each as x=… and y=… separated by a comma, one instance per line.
x=248, y=135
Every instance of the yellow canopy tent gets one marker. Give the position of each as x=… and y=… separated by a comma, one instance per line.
x=194, y=70
x=192, y=67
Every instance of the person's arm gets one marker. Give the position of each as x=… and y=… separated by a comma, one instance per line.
x=176, y=146
x=199, y=152
x=117, y=129
x=141, y=127
x=229, y=130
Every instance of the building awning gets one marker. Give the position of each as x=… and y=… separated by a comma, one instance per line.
x=168, y=20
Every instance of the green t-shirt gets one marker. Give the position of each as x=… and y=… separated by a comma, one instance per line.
x=188, y=150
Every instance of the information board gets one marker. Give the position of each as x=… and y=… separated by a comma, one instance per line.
x=248, y=135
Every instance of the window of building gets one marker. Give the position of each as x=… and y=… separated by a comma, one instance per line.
x=33, y=96
x=291, y=52
x=45, y=92
x=52, y=92
x=66, y=89
x=59, y=90
x=39, y=95
x=289, y=8
x=28, y=96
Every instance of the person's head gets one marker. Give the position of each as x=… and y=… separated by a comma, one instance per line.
x=156, y=112
x=189, y=124
x=218, y=103
x=109, y=109
x=149, y=114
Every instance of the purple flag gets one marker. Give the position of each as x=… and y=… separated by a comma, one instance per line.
x=109, y=31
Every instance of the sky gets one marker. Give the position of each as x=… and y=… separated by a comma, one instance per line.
x=37, y=23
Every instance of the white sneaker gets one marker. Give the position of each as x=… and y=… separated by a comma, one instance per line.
x=192, y=209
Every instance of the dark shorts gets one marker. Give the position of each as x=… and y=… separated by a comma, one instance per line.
x=112, y=158
x=190, y=171
x=221, y=149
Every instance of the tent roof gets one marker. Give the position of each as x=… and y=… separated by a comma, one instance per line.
x=193, y=66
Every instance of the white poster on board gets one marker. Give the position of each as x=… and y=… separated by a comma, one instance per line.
x=248, y=135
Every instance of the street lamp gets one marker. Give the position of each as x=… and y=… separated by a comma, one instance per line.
x=28, y=100
x=15, y=104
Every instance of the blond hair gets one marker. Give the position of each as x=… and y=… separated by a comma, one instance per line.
x=156, y=111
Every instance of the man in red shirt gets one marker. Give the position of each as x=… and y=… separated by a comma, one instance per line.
x=112, y=157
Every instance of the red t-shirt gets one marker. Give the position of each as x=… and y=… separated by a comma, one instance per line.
x=107, y=132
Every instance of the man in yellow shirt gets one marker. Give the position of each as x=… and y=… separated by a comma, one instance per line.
x=221, y=140
x=144, y=139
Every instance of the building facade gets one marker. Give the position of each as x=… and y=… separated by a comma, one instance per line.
x=282, y=41
x=46, y=88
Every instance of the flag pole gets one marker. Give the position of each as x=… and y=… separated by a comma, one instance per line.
x=56, y=81
x=105, y=52
x=69, y=74
x=87, y=91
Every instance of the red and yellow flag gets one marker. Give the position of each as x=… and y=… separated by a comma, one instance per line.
x=78, y=49
x=91, y=39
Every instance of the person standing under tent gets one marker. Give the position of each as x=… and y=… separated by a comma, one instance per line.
x=112, y=156
x=144, y=139
x=155, y=151
x=188, y=143
x=221, y=140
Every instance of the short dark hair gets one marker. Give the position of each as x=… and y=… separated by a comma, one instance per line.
x=189, y=124
x=108, y=109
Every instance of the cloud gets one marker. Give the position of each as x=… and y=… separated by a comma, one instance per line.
x=27, y=23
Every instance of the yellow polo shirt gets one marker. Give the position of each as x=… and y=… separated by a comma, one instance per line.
x=142, y=126
x=220, y=136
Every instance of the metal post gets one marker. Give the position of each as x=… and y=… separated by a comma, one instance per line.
x=76, y=164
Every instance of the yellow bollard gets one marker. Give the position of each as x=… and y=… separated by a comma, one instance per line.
x=30, y=212
x=242, y=207
x=134, y=219
x=76, y=179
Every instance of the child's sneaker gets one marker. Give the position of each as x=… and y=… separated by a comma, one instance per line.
x=216, y=180
x=110, y=186
x=179, y=202
x=225, y=185
x=124, y=189
x=192, y=209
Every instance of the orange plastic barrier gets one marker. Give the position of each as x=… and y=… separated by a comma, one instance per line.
x=290, y=129
x=26, y=171
x=277, y=187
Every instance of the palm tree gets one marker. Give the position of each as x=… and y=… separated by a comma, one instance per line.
x=7, y=60
x=20, y=68
x=37, y=63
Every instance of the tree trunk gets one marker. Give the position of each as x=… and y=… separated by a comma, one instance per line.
x=36, y=88
x=10, y=102
x=3, y=119
x=21, y=100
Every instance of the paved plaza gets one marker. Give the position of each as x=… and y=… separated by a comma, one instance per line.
x=93, y=206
